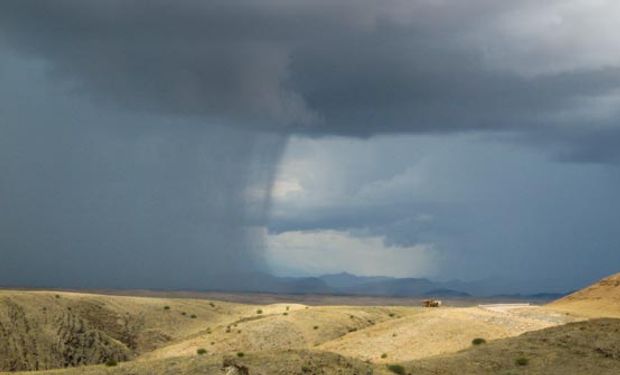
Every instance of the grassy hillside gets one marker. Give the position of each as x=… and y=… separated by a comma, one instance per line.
x=281, y=327
x=42, y=330
x=601, y=299
x=148, y=335
x=438, y=331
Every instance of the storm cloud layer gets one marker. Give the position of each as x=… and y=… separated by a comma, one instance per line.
x=345, y=67
x=143, y=136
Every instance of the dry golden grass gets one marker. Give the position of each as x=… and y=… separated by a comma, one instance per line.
x=602, y=299
x=148, y=335
x=300, y=328
x=438, y=331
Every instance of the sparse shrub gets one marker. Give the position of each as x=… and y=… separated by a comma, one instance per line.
x=240, y=354
x=315, y=327
x=285, y=314
x=212, y=342
x=183, y=313
x=351, y=316
x=166, y=307
x=201, y=351
x=239, y=331
x=259, y=311
x=391, y=315
x=111, y=362
x=394, y=335
x=478, y=341
x=193, y=316
x=397, y=369
x=384, y=355
x=57, y=296
x=522, y=361
x=352, y=329
x=288, y=308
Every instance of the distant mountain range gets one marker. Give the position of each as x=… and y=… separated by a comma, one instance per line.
x=349, y=284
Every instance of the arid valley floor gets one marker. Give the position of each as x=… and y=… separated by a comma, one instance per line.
x=50, y=332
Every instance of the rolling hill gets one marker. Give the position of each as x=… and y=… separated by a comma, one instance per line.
x=77, y=333
x=601, y=299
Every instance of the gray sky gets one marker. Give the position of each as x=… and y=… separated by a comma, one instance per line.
x=141, y=140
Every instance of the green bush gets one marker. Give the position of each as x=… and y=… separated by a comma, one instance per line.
x=166, y=307
x=384, y=355
x=522, y=361
x=315, y=327
x=193, y=316
x=259, y=311
x=478, y=341
x=240, y=354
x=201, y=351
x=111, y=362
x=397, y=369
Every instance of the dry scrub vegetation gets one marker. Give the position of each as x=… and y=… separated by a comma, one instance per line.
x=102, y=334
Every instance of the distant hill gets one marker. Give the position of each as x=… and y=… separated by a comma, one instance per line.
x=446, y=293
x=381, y=286
x=346, y=283
x=601, y=299
x=535, y=296
x=346, y=280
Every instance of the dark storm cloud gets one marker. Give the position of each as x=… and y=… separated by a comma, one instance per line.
x=97, y=198
x=146, y=152
x=352, y=68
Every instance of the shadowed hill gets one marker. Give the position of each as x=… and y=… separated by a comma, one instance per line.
x=582, y=348
x=283, y=362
